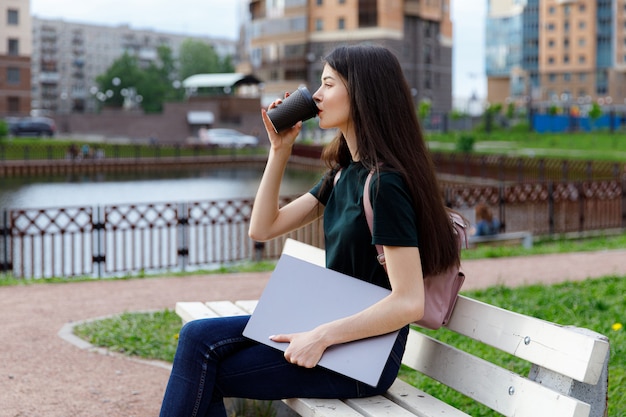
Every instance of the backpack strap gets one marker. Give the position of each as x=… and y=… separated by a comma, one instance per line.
x=369, y=216
x=369, y=212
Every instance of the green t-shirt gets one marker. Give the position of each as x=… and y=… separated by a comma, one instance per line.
x=349, y=245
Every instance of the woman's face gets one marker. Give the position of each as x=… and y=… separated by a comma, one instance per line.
x=333, y=101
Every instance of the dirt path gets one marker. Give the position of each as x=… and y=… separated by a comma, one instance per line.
x=41, y=374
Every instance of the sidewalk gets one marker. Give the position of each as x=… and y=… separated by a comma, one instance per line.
x=41, y=374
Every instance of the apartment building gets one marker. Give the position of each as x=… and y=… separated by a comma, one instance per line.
x=286, y=40
x=68, y=56
x=568, y=53
x=15, y=50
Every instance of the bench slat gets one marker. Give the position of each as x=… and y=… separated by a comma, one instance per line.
x=314, y=407
x=497, y=388
x=247, y=305
x=378, y=406
x=420, y=403
x=551, y=346
x=226, y=308
x=193, y=310
x=306, y=252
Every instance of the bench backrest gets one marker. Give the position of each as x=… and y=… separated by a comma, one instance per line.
x=568, y=355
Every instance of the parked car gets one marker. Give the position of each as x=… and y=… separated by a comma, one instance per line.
x=227, y=138
x=33, y=126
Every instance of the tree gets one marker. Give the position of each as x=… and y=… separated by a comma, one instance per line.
x=197, y=57
x=124, y=73
x=125, y=82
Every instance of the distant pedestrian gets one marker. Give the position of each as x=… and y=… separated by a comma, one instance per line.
x=486, y=223
x=72, y=151
x=85, y=151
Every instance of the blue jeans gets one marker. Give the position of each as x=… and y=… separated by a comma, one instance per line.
x=213, y=360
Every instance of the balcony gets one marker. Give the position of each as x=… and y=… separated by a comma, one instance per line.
x=49, y=77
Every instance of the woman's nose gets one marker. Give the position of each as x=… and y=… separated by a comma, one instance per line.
x=316, y=96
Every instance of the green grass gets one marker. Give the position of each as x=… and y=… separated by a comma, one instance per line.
x=147, y=335
x=599, y=146
x=549, y=246
x=241, y=267
x=30, y=148
x=594, y=304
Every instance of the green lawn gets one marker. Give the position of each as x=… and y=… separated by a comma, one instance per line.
x=598, y=146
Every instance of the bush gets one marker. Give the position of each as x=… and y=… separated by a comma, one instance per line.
x=4, y=129
x=465, y=143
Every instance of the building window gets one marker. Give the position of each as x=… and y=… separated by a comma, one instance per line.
x=368, y=13
x=13, y=76
x=13, y=104
x=319, y=25
x=13, y=47
x=566, y=58
x=319, y=2
x=341, y=23
x=552, y=77
x=582, y=59
x=342, y=1
x=13, y=17
x=567, y=76
x=551, y=60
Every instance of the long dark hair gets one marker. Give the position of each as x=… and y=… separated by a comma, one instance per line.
x=389, y=136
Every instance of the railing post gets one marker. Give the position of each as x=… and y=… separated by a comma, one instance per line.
x=551, y=207
x=624, y=201
x=183, y=236
x=581, y=207
x=5, y=243
x=98, y=228
x=502, y=207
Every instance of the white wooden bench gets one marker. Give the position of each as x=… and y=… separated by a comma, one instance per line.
x=568, y=377
x=522, y=238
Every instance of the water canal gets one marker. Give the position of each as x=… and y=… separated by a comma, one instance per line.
x=169, y=186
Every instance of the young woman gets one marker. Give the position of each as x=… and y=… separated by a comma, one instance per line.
x=365, y=96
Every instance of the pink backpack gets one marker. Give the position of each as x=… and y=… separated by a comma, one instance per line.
x=441, y=290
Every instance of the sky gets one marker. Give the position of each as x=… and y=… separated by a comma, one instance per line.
x=220, y=18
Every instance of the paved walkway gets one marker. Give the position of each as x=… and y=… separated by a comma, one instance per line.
x=42, y=374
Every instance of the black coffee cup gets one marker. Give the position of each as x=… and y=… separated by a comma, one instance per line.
x=299, y=105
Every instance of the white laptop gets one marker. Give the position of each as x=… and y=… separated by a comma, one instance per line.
x=301, y=295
